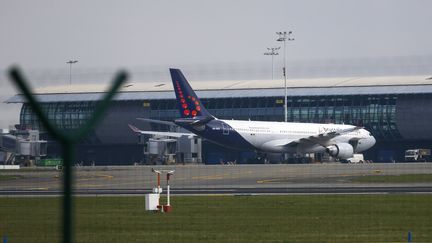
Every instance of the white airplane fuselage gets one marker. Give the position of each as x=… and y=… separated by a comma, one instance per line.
x=279, y=137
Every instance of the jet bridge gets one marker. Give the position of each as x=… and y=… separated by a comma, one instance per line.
x=21, y=147
x=164, y=150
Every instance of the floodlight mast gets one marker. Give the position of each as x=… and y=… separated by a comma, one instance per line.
x=284, y=36
x=272, y=51
x=70, y=62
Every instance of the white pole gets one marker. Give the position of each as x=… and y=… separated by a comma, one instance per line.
x=272, y=67
x=284, y=72
x=168, y=190
x=70, y=73
x=283, y=36
x=168, y=195
x=70, y=62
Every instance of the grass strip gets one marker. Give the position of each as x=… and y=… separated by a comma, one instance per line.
x=318, y=218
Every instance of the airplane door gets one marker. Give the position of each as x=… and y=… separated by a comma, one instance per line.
x=225, y=129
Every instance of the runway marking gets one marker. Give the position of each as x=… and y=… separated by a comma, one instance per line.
x=209, y=177
x=39, y=188
x=89, y=186
x=272, y=181
x=228, y=175
x=96, y=176
x=353, y=174
x=108, y=177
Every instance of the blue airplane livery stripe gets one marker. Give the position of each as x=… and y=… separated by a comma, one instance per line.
x=223, y=134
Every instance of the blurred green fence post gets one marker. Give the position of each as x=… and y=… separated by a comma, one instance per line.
x=67, y=140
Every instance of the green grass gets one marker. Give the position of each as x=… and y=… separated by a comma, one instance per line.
x=340, y=218
x=409, y=178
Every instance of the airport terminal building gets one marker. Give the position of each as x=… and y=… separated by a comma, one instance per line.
x=396, y=109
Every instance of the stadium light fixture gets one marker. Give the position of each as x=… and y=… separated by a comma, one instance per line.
x=70, y=62
x=272, y=51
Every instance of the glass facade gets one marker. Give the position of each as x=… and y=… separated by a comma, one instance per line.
x=66, y=116
x=376, y=113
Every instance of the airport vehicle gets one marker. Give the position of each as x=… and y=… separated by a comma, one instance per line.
x=417, y=155
x=339, y=141
x=357, y=158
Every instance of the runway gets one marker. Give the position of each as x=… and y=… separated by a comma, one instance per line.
x=229, y=191
x=218, y=179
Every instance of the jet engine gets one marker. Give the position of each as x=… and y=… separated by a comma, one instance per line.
x=341, y=150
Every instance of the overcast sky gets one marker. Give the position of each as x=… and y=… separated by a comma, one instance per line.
x=113, y=34
x=43, y=34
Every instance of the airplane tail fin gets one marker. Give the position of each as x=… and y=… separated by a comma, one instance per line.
x=188, y=102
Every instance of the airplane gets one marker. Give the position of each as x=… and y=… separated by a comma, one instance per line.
x=339, y=141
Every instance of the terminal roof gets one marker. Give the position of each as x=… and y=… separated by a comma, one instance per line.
x=242, y=88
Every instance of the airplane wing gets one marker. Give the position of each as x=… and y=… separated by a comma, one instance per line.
x=321, y=138
x=157, y=121
x=166, y=134
x=329, y=135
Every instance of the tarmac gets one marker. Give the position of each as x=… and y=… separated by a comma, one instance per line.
x=326, y=178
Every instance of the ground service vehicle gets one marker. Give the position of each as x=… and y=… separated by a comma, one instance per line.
x=418, y=155
x=357, y=158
